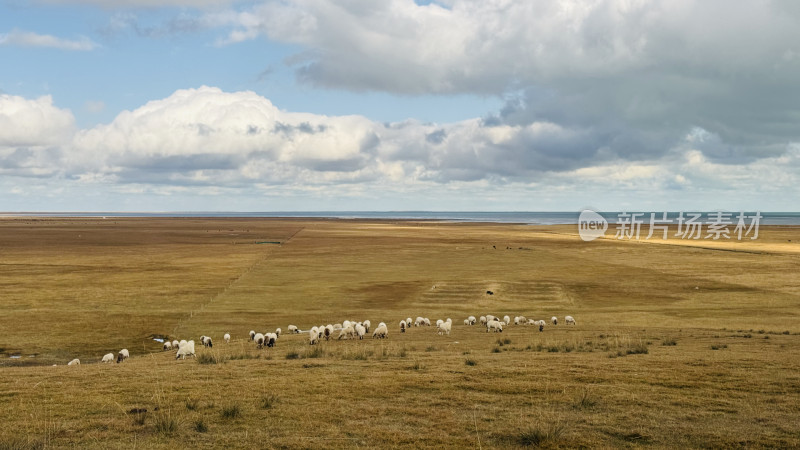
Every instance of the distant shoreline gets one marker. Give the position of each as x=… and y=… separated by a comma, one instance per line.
x=501, y=217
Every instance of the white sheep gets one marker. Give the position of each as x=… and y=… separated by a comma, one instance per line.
x=472, y=320
x=259, y=340
x=466, y=322
x=361, y=330
x=252, y=335
x=495, y=326
x=554, y=319
x=367, y=325
x=166, y=346
x=185, y=349
x=439, y=322
x=419, y=321
x=541, y=325
x=381, y=331
x=123, y=355
x=278, y=332
x=206, y=341
x=522, y=320
x=292, y=329
x=270, y=339
x=569, y=320
x=444, y=327
x=507, y=320
x=313, y=336
x=347, y=332
x=108, y=358
x=532, y=322
x=483, y=320
x=74, y=362
x=227, y=338
x=427, y=322
x=490, y=318
x=402, y=326
x=409, y=322
x=175, y=343
x=346, y=324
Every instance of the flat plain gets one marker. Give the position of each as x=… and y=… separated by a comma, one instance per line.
x=677, y=344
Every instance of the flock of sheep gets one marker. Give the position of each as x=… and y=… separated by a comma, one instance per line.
x=346, y=330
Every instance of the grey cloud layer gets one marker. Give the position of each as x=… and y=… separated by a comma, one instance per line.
x=630, y=79
x=209, y=138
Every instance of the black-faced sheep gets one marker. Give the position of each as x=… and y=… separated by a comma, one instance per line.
x=259, y=340
x=381, y=331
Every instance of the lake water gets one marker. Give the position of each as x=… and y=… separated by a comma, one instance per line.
x=524, y=217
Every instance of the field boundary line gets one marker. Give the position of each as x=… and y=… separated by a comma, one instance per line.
x=233, y=282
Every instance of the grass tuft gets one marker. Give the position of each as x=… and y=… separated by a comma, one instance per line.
x=293, y=355
x=669, y=342
x=269, y=400
x=241, y=356
x=316, y=352
x=470, y=362
x=585, y=400
x=20, y=443
x=165, y=424
x=200, y=426
x=231, y=411
x=541, y=435
x=210, y=358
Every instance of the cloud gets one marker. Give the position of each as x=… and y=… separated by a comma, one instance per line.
x=239, y=136
x=33, y=123
x=118, y=4
x=209, y=137
x=20, y=38
x=33, y=134
x=209, y=141
x=628, y=79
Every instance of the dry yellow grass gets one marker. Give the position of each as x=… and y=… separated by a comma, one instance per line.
x=676, y=345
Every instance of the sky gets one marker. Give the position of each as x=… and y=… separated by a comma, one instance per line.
x=451, y=105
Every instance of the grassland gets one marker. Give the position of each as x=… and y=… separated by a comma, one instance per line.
x=677, y=344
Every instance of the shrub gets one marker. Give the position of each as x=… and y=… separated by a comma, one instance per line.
x=231, y=411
